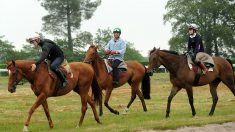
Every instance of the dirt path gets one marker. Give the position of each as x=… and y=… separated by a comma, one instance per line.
x=226, y=127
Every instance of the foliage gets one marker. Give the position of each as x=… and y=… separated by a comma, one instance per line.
x=215, y=18
x=65, y=16
x=6, y=50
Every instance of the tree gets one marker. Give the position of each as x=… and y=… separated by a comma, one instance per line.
x=65, y=16
x=83, y=39
x=215, y=18
x=6, y=50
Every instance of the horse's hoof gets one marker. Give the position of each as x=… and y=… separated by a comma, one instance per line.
x=100, y=123
x=210, y=114
x=100, y=114
x=116, y=112
x=25, y=129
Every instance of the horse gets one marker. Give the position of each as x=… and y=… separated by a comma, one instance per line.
x=135, y=74
x=182, y=77
x=44, y=85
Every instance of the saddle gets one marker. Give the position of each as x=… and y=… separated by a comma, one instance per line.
x=207, y=60
x=122, y=66
x=204, y=58
x=64, y=67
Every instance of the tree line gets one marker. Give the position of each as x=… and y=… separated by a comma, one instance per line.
x=216, y=21
x=215, y=18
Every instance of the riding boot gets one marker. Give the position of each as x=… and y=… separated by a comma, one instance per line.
x=62, y=77
x=205, y=70
x=115, y=76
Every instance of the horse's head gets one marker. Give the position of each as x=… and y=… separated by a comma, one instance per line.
x=90, y=54
x=154, y=62
x=15, y=75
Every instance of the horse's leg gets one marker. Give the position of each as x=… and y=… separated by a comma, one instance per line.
x=40, y=99
x=140, y=95
x=46, y=110
x=92, y=104
x=100, y=108
x=190, y=99
x=133, y=96
x=213, y=90
x=84, y=96
x=107, y=96
x=174, y=91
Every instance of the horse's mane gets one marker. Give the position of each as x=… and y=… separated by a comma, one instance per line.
x=167, y=51
x=171, y=52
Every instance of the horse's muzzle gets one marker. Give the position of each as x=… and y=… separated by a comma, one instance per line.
x=12, y=89
x=150, y=73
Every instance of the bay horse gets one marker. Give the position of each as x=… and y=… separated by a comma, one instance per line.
x=43, y=86
x=182, y=77
x=135, y=74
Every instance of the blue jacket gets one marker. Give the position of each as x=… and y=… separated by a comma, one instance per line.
x=119, y=46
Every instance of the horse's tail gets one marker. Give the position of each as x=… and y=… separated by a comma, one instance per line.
x=231, y=63
x=145, y=86
x=96, y=91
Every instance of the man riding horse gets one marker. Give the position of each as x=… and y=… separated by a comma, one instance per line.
x=195, y=46
x=50, y=51
x=116, y=49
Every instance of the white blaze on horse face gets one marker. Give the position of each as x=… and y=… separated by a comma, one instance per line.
x=9, y=72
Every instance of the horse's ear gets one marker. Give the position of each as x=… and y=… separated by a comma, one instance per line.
x=98, y=46
x=13, y=62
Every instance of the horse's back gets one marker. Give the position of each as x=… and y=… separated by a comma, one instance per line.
x=82, y=69
x=222, y=64
x=135, y=66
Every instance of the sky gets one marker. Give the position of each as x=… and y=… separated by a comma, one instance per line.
x=141, y=21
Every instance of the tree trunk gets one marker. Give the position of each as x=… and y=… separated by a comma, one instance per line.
x=70, y=43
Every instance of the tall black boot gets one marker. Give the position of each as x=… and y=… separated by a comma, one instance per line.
x=62, y=77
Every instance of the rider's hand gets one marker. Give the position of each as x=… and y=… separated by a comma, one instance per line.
x=114, y=52
x=33, y=67
x=107, y=52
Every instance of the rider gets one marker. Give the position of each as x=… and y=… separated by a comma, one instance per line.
x=116, y=49
x=195, y=46
x=51, y=52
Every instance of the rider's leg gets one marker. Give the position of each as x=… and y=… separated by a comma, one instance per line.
x=115, y=65
x=55, y=67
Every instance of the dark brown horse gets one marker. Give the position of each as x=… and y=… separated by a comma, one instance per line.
x=182, y=77
x=135, y=73
x=43, y=86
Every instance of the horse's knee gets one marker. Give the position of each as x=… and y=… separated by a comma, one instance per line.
x=169, y=99
x=215, y=99
x=105, y=104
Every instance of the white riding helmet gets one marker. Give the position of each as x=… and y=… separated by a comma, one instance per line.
x=192, y=26
x=33, y=37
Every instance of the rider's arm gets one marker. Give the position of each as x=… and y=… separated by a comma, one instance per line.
x=198, y=44
x=45, y=51
x=123, y=48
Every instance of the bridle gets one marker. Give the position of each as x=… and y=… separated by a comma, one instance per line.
x=16, y=82
x=91, y=60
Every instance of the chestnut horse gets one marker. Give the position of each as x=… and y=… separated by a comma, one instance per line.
x=182, y=77
x=135, y=73
x=43, y=86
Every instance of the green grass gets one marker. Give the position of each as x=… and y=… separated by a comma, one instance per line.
x=65, y=110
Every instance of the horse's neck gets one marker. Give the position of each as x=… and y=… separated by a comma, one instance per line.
x=170, y=61
x=100, y=69
x=27, y=73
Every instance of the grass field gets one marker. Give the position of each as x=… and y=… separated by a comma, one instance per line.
x=65, y=110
